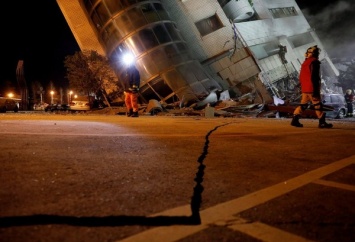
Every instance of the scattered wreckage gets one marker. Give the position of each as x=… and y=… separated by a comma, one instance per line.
x=213, y=107
x=221, y=105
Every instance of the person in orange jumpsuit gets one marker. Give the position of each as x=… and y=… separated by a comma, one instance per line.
x=310, y=81
x=131, y=91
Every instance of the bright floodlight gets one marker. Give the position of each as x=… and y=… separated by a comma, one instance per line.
x=128, y=59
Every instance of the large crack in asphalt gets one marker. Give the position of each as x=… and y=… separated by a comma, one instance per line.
x=198, y=189
x=123, y=220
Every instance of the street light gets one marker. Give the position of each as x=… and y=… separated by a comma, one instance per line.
x=70, y=93
x=10, y=95
x=128, y=59
x=52, y=92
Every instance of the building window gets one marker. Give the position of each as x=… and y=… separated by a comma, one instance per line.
x=265, y=50
x=148, y=38
x=162, y=34
x=209, y=25
x=301, y=39
x=150, y=13
x=283, y=12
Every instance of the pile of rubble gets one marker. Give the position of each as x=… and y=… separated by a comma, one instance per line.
x=228, y=108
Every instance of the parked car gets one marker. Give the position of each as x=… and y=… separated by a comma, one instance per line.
x=8, y=104
x=79, y=106
x=39, y=106
x=56, y=107
x=99, y=104
x=337, y=101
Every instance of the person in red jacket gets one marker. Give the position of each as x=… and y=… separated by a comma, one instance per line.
x=310, y=81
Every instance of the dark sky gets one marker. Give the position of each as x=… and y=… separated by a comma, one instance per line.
x=334, y=23
x=36, y=32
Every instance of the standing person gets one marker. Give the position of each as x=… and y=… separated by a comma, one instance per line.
x=131, y=88
x=310, y=81
x=349, y=98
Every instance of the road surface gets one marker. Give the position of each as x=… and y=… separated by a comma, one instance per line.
x=83, y=177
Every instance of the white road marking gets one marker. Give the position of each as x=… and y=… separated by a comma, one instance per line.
x=266, y=232
x=225, y=211
x=335, y=184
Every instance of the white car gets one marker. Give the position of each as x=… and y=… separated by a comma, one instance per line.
x=79, y=106
x=337, y=101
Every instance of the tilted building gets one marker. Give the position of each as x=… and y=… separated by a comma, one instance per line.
x=187, y=49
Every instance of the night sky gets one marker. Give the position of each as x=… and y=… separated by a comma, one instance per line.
x=36, y=32
x=334, y=23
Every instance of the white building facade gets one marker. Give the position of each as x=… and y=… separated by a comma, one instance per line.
x=186, y=49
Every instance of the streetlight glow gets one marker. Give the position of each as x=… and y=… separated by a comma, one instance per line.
x=52, y=92
x=128, y=59
x=10, y=95
x=70, y=93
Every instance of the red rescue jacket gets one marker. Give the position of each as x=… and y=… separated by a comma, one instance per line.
x=310, y=75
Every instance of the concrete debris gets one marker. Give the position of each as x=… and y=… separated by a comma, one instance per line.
x=222, y=108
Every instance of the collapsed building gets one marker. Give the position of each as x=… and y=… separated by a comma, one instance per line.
x=188, y=50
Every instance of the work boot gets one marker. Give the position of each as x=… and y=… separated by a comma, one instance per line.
x=323, y=124
x=134, y=114
x=130, y=113
x=296, y=121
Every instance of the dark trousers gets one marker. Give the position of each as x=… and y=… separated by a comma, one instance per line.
x=350, y=109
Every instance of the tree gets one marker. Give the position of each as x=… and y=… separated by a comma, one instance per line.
x=37, y=90
x=89, y=72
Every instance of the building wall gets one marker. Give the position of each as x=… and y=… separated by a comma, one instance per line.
x=244, y=49
x=81, y=28
x=167, y=70
x=222, y=51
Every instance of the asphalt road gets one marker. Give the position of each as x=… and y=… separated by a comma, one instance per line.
x=88, y=177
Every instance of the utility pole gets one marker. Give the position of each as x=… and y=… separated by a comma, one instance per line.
x=21, y=81
x=41, y=92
